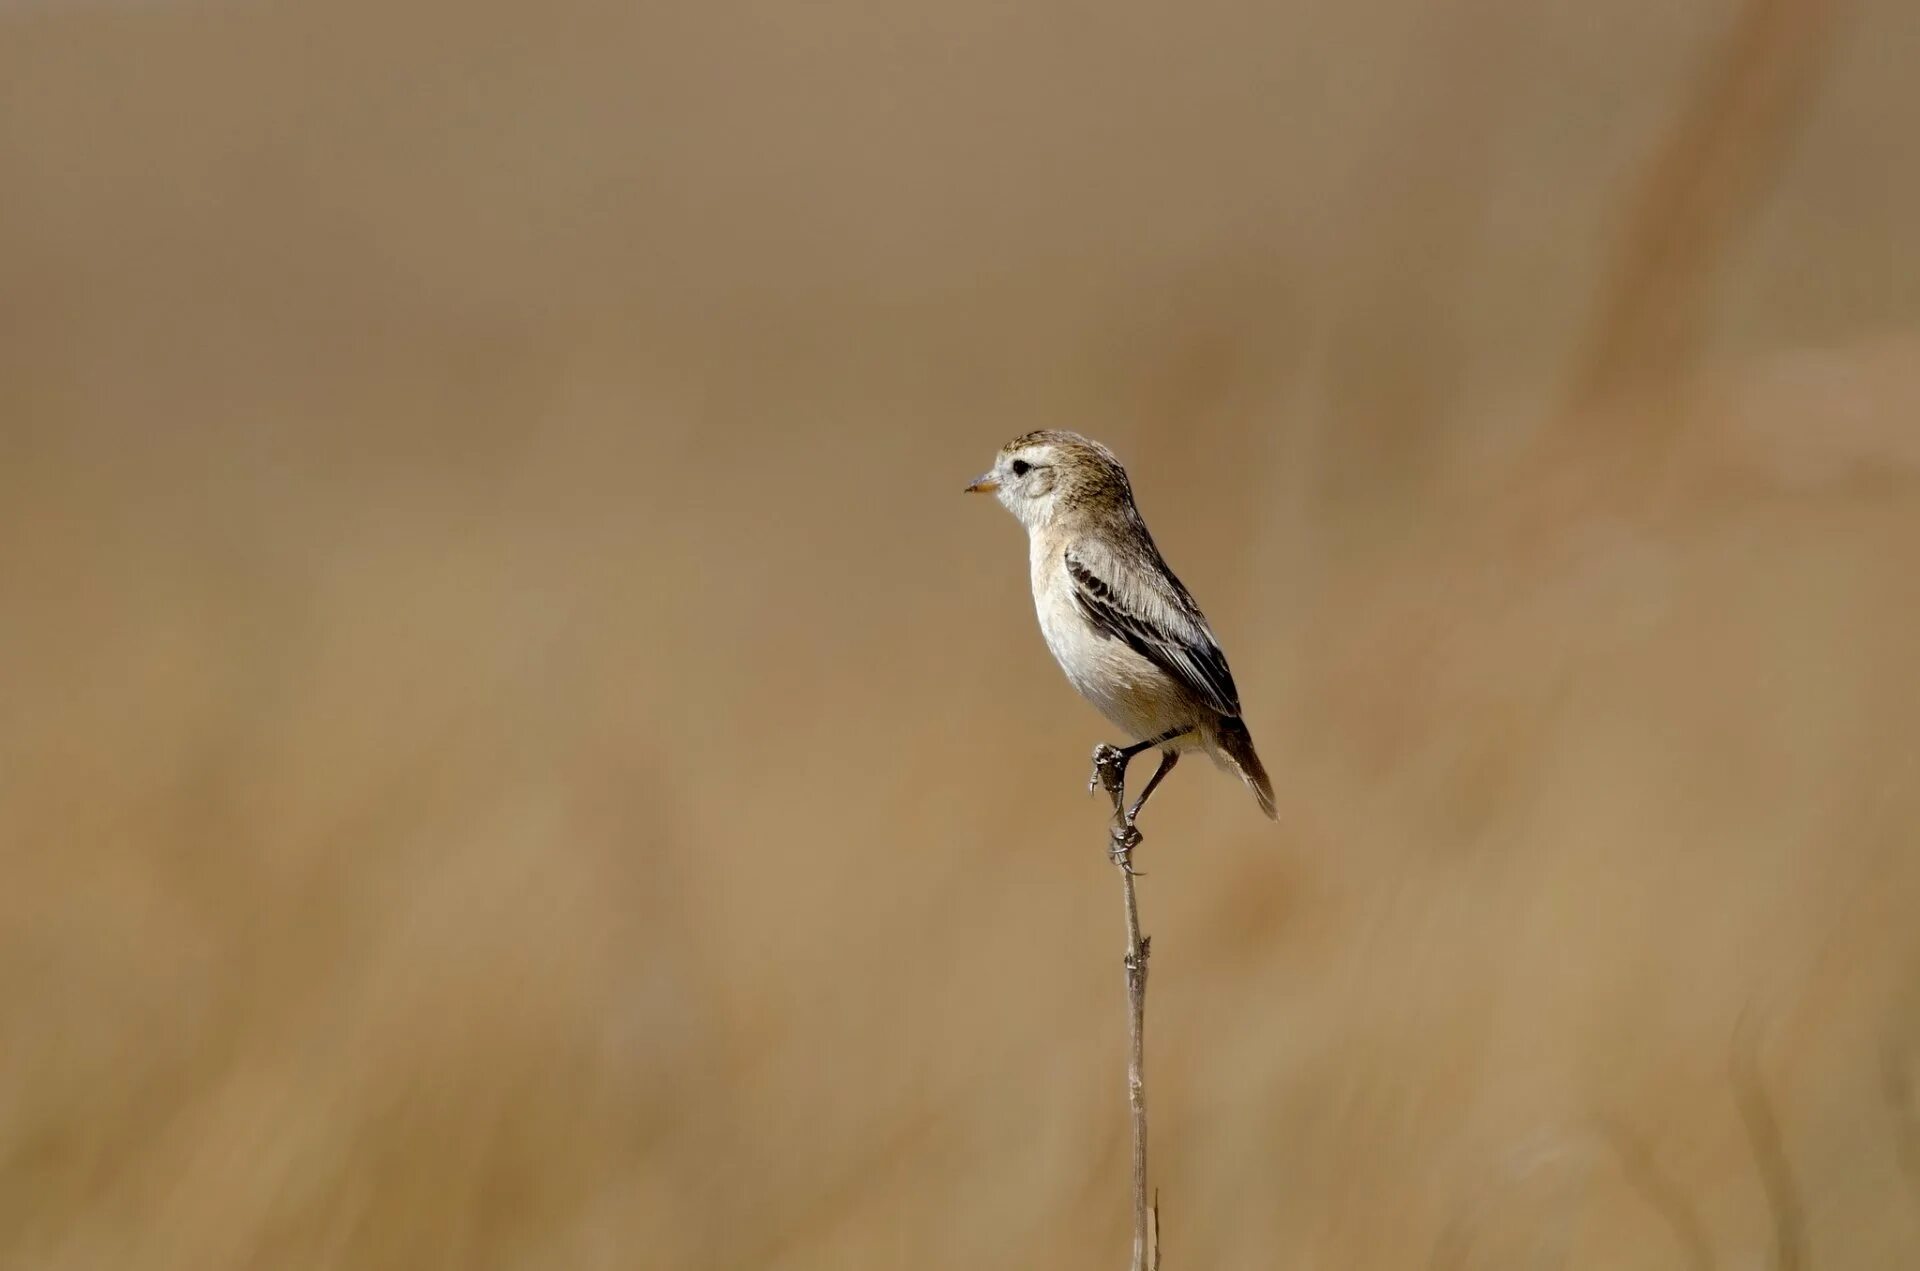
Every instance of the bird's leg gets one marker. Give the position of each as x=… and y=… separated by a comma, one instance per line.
x=1113, y=760
x=1168, y=758
x=1110, y=774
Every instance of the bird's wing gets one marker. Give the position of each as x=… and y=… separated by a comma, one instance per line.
x=1136, y=599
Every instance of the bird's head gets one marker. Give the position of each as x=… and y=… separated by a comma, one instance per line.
x=1045, y=475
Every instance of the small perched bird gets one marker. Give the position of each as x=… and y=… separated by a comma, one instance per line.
x=1120, y=624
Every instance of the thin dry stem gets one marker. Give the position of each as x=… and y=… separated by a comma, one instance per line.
x=1110, y=772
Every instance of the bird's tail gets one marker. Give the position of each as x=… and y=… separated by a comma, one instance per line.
x=1236, y=747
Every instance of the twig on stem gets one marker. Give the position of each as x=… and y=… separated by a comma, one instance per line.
x=1110, y=771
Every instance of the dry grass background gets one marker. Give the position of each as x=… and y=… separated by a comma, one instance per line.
x=517, y=754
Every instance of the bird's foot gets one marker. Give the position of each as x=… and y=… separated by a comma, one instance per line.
x=1120, y=845
x=1109, y=771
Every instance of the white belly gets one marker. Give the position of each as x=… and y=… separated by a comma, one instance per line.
x=1126, y=687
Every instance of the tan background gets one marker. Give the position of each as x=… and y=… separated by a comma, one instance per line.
x=514, y=752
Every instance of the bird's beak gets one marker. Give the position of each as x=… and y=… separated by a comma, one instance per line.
x=983, y=484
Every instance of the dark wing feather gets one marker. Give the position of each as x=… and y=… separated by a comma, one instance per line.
x=1143, y=605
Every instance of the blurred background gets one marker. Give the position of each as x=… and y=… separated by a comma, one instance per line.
x=516, y=753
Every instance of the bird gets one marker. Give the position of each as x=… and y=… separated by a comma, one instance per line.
x=1122, y=626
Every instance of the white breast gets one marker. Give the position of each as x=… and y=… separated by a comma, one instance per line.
x=1127, y=688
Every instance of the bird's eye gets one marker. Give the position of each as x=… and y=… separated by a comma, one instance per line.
x=1021, y=467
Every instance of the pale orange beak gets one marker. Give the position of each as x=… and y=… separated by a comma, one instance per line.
x=983, y=484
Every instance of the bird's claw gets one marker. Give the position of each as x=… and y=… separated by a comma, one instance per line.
x=1109, y=769
x=1120, y=847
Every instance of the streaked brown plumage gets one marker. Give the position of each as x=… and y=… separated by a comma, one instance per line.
x=1120, y=623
